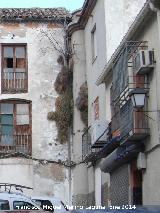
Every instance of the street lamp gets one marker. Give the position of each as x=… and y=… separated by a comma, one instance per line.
x=138, y=97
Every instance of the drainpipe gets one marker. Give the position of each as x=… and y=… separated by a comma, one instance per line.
x=66, y=46
x=69, y=169
x=155, y=7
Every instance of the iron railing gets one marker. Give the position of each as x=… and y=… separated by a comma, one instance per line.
x=87, y=151
x=122, y=64
x=133, y=82
x=16, y=143
x=130, y=123
x=133, y=124
x=14, y=82
x=92, y=152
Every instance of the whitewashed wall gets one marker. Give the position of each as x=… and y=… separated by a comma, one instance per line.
x=42, y=71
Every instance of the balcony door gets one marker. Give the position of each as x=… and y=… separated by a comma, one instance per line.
x=7, y=129
x=15, y=127
x=14, y=69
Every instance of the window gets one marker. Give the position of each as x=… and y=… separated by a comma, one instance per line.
x=4, y=205
x=14, y=69
x=94, y=43
x=15, y=127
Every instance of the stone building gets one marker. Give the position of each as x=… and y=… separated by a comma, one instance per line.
x=95, y=33
x=28, y=145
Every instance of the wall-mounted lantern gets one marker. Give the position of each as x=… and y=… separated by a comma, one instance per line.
x=138, y=97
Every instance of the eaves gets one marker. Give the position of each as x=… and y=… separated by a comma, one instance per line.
x=86, y=12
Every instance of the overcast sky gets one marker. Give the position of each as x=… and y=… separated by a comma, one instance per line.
x=69, y=4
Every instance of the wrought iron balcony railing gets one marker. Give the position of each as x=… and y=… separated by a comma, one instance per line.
x=136, y=128
x=133, y=124
x=123, y=67
x=21, y=143
x=90, y=152
x=137, y=81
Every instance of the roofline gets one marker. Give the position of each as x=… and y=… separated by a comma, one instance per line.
x=76, y=11
x=53, y=16
x=143, y=14
x=59, y=21
x=86, y=11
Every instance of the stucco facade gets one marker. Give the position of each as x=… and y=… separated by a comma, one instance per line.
x=145, y=28
x=47, y=178
x=108, y=24
x=151, y=174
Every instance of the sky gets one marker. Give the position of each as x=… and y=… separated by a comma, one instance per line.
x=69, y=4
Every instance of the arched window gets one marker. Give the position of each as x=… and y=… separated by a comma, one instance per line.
x=15, y=125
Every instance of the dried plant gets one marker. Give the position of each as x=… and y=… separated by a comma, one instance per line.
x=52, y=116
x=82, y=103
x=63, y=114
x=60, y=60
x=62, y=81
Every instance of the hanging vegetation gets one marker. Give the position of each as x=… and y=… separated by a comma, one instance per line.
x=62, y=81
x=64, y=103
x=60, y=60
x=82, y=103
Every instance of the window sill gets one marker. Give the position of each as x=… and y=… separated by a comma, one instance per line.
x=14, y=92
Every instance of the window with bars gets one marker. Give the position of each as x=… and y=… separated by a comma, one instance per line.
x=14, y=69
x=15, y=127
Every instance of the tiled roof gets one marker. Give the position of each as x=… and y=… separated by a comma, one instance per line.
x=34, y=14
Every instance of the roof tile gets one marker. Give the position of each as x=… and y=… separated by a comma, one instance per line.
x=34, y=14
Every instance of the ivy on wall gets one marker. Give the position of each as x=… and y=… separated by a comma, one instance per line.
x=63, y=114
x=82, y=103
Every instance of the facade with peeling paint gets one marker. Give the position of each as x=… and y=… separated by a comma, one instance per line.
x=28, y=70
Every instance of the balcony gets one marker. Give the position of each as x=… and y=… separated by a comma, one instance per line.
x=130, y=124
x=91, y=153
x=13, y=82
x=113, y=141
x=133, y=82
x=124, y=75
x=19, y=143
x=133, y=124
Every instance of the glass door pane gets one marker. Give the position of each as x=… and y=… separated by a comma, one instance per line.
x=7, y=135
x=7, y=124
